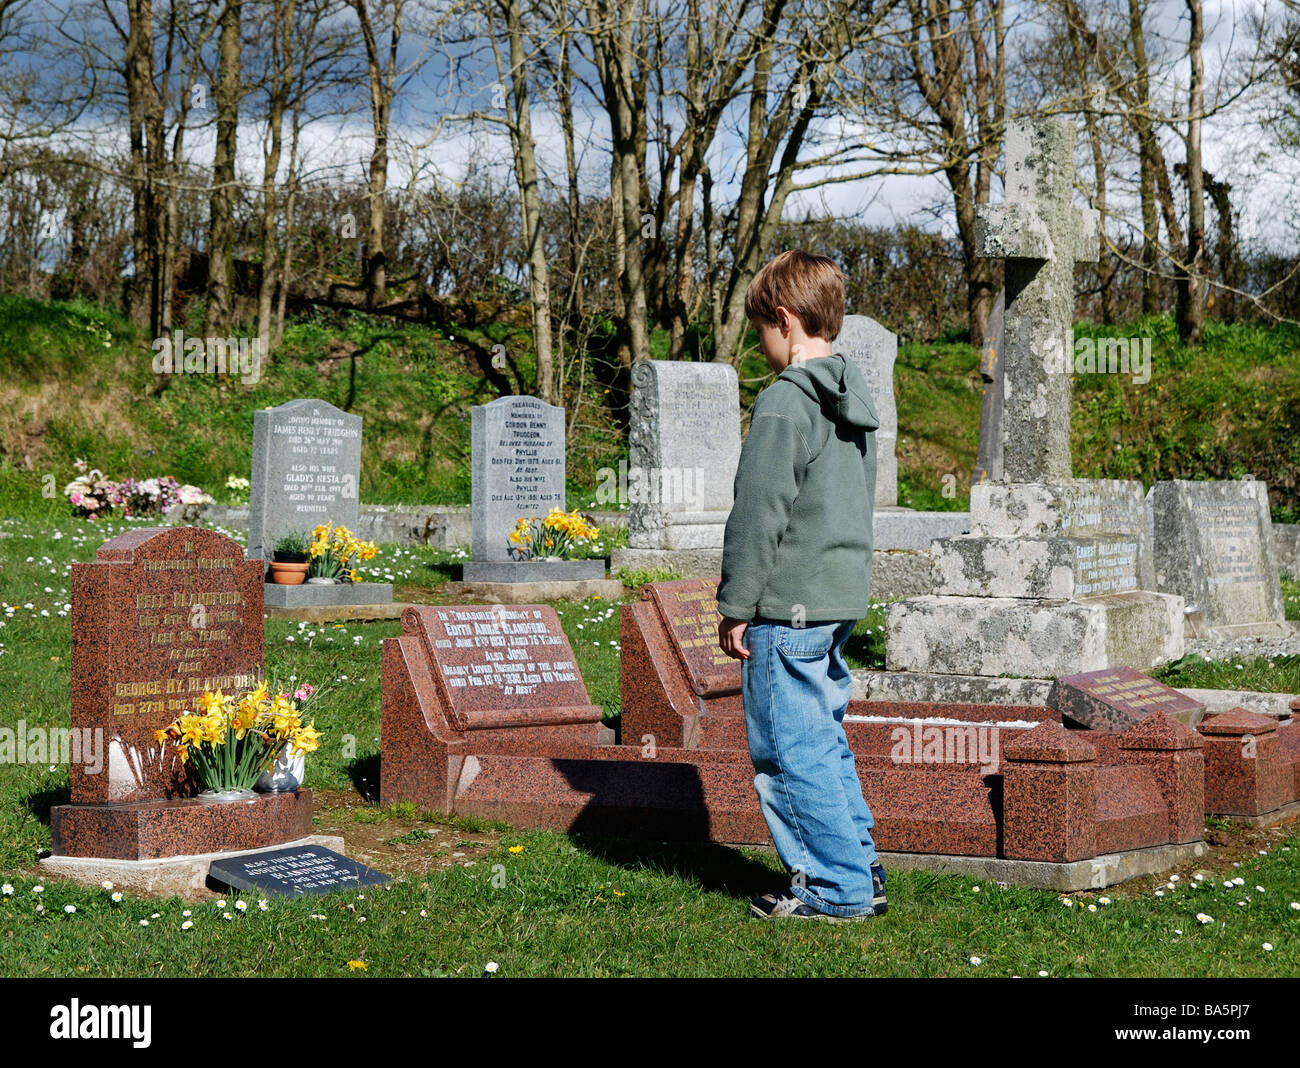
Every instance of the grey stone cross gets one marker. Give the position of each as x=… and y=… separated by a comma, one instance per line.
x=1041, y=235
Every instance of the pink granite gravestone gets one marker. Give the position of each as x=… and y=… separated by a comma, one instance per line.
x=497, y=666
x=679, y=687
x=1118, y=698
x=161, y=615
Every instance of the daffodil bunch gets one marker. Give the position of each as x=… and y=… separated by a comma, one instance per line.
x=556, y=535
x=233, y=738
x=334, y=551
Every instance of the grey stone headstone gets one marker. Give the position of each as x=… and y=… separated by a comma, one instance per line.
x=1214, y=546
x=684, y=446
x=1083, y=508
x=306, y=471
x=292, y=872
x=1040, y=235
x=988, y=459
x=517, y=462
x=875, y=349
x=1033, y=567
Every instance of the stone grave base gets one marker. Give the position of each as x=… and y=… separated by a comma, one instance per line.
x=924, y=687
x=903, y=528
x=1285, y=814
x=542, y=590
x=687, y=530
x=150, y=830
x=1216, y=702
x=1093, y=874
x=1284, y=629
x=926, y=815
x=334, y=595
x=894, y=573
x=185, y=876
x=927, y=686
x=530, y=571
x=1034, y=637
x=339, y=613
x=689, y=563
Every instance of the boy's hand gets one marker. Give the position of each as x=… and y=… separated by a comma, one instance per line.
x=731, y=637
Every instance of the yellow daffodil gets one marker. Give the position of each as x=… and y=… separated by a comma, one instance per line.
x=306, y=740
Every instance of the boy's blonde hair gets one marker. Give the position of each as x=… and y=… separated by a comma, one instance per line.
x=810, y=286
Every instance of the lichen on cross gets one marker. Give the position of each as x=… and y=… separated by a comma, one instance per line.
x=1041, y=235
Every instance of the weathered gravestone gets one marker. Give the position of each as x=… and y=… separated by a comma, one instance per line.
x=1053, y=578
x=1041, y=235
x=874, y=350
x=292, y=872
x=684, y=446
x=1118, y=698
x=1214, y=547
x=988, y=458
x=306, y=473
x=159, y=617
x=488, y=672
x=518, y=472
x=679, y=688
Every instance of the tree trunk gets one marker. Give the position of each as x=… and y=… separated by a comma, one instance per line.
x=142, y=106
x=1190, y=311
x=219, y=315
x=381, y=73
x=564, y=87
x=530, y=202
x=1141, y=120
x=285, y=261
x=1225, y=248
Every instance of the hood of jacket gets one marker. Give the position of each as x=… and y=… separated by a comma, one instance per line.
x=838, y=388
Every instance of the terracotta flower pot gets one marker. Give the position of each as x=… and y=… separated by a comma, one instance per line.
x=288, y=574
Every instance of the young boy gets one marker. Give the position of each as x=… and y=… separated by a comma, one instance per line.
x=796, y=566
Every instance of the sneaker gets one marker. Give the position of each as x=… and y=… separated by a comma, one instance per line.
x=878, y=904
x=786, y=905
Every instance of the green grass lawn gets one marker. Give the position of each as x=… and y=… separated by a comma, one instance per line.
x=466, y=895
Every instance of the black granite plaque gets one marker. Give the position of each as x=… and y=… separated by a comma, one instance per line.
x=293, y=871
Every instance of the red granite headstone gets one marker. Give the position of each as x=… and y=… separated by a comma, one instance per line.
x=679, y=688
x=501, y=666
x=1115, y=699
x=689, y=610
x=161, y=615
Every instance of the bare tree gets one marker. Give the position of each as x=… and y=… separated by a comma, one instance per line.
x=513, y=75
x=302, y=53
x=382, y=23
x=219, y=313
x=952, y=121
x=1190, y=307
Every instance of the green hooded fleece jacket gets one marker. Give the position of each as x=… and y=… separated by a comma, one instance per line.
x=798, y=540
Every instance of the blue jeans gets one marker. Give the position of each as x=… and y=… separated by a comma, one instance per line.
x=795, y=687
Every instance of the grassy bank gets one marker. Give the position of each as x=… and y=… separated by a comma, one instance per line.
x=76, y=380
